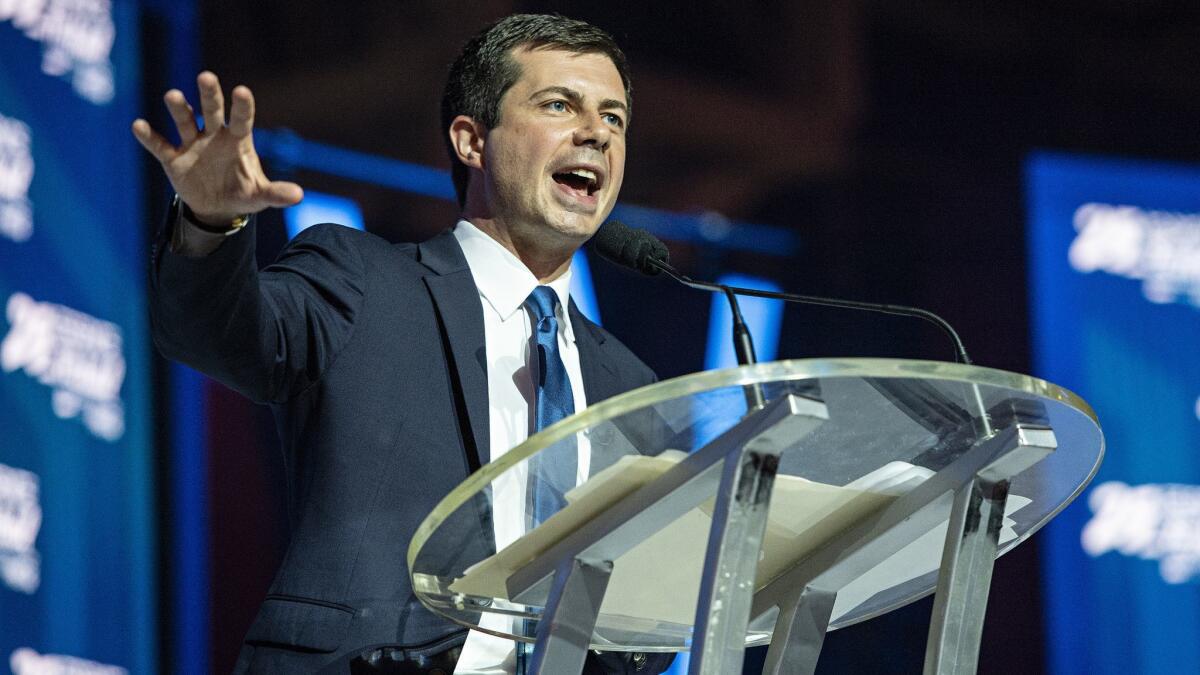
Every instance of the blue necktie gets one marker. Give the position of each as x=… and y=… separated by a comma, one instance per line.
x=550, y=477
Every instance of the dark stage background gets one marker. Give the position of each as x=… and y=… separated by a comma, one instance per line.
x=889, y=136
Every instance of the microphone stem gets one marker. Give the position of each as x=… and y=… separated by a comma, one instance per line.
x=898, y=310
x=743, y=346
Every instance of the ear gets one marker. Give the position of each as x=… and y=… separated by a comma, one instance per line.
x=466, y=137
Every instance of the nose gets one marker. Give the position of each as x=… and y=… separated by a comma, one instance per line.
x=593, y=131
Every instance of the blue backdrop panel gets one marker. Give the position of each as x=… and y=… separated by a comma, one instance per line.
x=77, y=569
x=1115, y=264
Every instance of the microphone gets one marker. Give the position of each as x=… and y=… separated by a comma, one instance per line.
x=638, y=249
x=642, y=251
x=617, y=242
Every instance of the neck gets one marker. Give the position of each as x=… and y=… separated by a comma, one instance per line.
x=545, y=262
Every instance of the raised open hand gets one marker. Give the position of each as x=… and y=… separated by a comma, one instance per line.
x=216, y=172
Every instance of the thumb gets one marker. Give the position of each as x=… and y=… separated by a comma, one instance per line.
x=282, y=193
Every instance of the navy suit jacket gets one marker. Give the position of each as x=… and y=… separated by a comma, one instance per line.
x=371, y=356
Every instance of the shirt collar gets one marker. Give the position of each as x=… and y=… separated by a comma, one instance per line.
x=503, y=280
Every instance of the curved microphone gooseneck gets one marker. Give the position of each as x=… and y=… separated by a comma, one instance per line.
x=642, y=251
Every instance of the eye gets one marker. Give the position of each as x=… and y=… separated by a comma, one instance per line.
x=556, y=106
x=614, y=119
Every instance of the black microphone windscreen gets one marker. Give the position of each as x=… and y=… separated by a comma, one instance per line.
x=617, y=242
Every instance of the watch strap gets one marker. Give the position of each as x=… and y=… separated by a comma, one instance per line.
x=234, y=226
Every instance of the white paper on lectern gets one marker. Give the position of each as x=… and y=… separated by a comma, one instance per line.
x=923, y=555
x=658, y=580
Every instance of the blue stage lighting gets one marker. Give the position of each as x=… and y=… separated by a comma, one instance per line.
x=318, y=207
x=763, y=317
x=582, y=291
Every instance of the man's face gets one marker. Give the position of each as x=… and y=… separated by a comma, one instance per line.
x=554, y=164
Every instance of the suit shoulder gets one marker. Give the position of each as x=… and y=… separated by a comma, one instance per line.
x=332, y=235
x=333, y=239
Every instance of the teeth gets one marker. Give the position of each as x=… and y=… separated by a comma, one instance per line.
x=587, y=175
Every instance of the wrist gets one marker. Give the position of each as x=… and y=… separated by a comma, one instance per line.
x=225, y=225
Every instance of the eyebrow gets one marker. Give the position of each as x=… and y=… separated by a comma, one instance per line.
x=577, y=99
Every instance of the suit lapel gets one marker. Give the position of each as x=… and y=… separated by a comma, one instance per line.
x=599, y=379
x=457, y=301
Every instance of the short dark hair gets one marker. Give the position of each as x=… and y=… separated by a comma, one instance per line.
x=485, y=69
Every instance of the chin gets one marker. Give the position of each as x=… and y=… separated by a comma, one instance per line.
x=577, y=226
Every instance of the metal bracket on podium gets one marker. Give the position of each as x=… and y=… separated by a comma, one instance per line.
x=970, y=553
x=569, y=578
x=565, y=631
x=734, y=542
x=973, y=488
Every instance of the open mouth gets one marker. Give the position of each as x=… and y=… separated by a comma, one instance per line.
x=582, y=182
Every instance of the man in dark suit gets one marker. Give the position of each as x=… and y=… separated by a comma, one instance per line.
x=387, y=365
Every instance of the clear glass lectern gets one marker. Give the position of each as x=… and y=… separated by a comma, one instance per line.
x=701, y=520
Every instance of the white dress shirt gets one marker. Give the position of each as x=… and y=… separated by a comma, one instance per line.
x=504, y=284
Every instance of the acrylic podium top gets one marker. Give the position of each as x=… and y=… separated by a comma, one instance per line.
x=885, y=427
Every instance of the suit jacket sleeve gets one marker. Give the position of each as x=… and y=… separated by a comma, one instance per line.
x=267, y=334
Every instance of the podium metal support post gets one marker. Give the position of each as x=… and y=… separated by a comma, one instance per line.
x=735, y=539
x=800, y=632
x=969, y=555
x=565, y=632
x=727, y=587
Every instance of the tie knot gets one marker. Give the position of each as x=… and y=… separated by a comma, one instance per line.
x=542, y=302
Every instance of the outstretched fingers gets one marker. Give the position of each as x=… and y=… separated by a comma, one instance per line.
x=216, y=171
x=241, y=112
x=182, y=114
x=154, y=143
x=212, y=101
